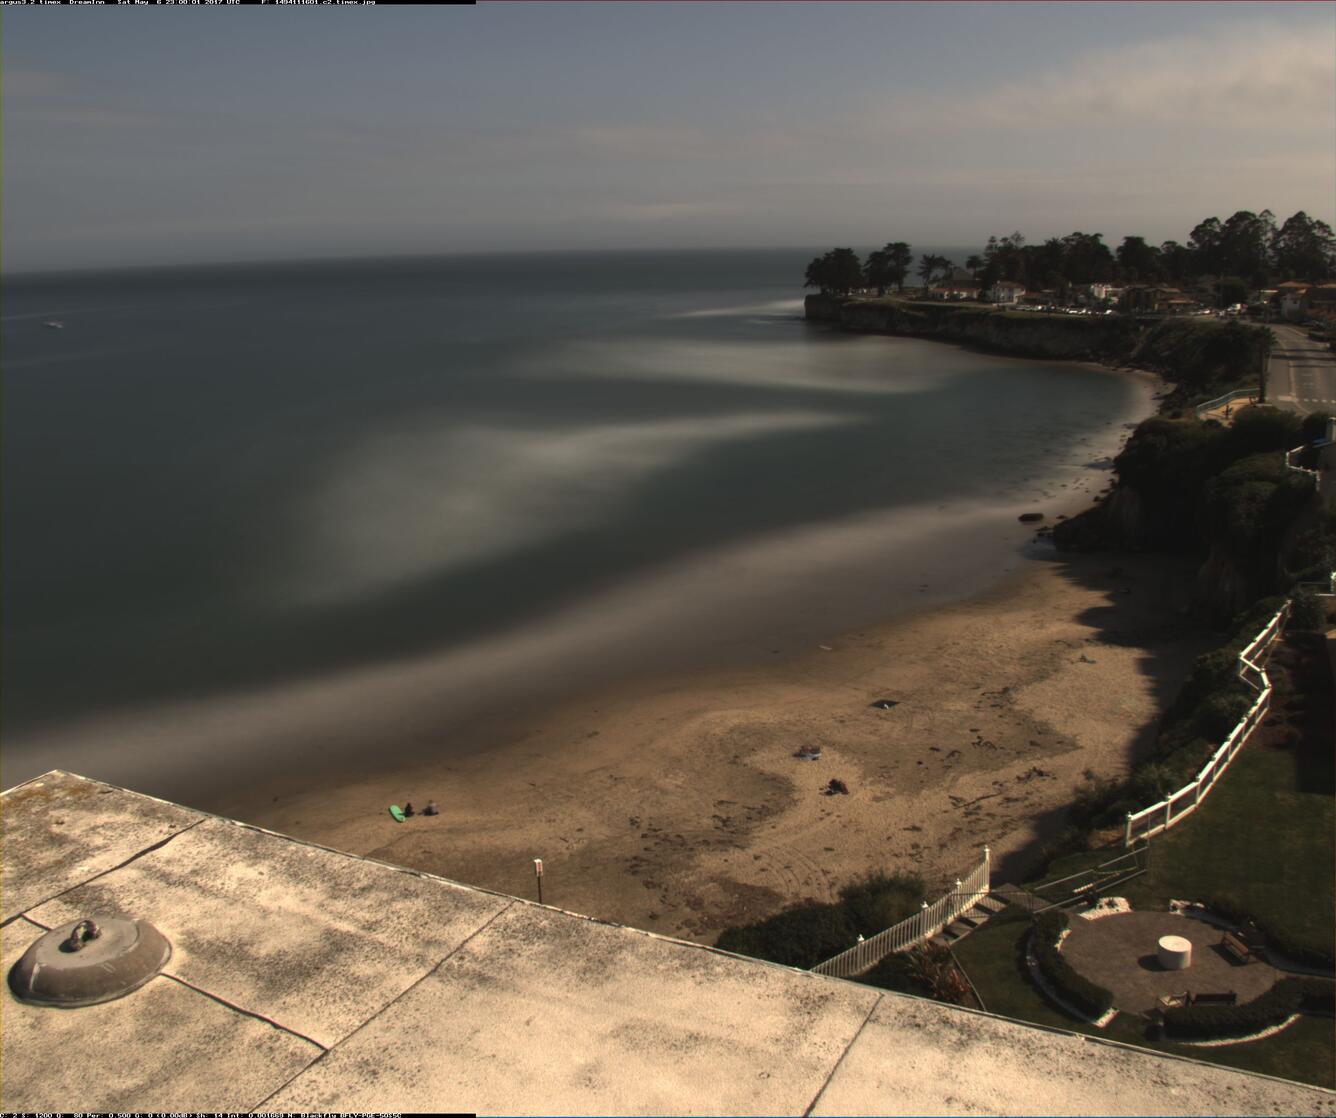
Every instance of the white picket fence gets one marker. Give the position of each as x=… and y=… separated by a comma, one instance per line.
x=923, y=925
x=1158, y=818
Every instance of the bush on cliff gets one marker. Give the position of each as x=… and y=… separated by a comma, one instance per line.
x=1204, y=358
x=814, y=931
x=1207, y=708
x=1308, y=614
x=800, y=936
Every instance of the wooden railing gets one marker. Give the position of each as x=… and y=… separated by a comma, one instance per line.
x=923, y=925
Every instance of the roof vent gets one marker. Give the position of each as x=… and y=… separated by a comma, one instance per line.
x=86, y=962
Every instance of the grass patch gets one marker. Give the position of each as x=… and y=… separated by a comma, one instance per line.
x=1261, y=844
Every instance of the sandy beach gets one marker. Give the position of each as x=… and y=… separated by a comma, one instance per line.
x=677, y=804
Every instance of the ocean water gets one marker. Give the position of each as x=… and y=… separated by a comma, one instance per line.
x=361, y=503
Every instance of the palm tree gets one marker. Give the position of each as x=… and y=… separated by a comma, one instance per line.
x=927, y=268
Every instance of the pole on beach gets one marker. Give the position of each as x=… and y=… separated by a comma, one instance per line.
x=538, y=873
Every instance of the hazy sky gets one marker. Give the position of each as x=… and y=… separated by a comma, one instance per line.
x=144, y=134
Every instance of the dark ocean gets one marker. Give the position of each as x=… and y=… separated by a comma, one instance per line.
x=235, y=496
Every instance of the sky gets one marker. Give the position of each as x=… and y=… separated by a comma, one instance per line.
x=141, y=135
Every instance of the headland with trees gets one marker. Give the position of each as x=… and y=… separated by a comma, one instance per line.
x=1224, y=494
x=1222, y=263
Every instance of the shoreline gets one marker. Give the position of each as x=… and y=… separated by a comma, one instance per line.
x=673, y=801
x=676, y=804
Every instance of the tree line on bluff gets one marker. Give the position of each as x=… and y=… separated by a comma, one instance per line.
x=1245, y=251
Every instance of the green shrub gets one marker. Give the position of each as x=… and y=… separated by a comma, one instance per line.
x=1219, y=714
x=880, y=900
x=1258, y=430
x=1317, y=995
x=1252, y=621
x=1309, y=954
x=800, y=936
x=1314, y=426
x=1308, y=614
x=1278, y=1004
x=810, y=933
x=1212, y=671
x=896, y=972
x=1073, y=988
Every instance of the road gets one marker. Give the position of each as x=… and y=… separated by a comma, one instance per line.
x=1302, y=375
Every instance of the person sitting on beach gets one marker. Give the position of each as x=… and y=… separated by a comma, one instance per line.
x=431, y=808
x=408, y=809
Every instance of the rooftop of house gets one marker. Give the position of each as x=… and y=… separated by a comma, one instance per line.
x=306, y=979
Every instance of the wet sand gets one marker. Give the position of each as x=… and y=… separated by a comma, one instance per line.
x=677, y=804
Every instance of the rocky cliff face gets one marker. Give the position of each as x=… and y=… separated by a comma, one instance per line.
x=1020, y=334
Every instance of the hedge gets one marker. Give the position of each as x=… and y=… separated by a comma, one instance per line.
x=1286, y=998
x=1072, y=987
x=1304, y=953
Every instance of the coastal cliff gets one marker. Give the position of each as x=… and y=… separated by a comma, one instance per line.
x=1201, y=357
x=1054, y=337
x=1183, y=486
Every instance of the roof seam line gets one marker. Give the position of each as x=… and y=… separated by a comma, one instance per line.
x=852, y=1041
x=326, y=1051
x=247, y=1012
x=119, y=866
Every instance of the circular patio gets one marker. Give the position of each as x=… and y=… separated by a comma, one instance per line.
x=1119, y=953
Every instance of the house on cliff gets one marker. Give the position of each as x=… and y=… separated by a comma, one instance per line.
x=1292, y=299
x=1005, y=292
x=1322, y=301
x=1145, y=299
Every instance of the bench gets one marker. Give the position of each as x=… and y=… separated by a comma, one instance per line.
x=1236, y=947
x=1230, y=998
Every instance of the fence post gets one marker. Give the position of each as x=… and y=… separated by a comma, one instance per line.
x=1168, y=809
x=1127, y=831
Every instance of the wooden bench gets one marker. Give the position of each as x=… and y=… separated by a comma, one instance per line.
x=1231, y=998
x=1236, y=947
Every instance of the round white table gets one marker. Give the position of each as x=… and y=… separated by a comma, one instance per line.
x=1175, y=952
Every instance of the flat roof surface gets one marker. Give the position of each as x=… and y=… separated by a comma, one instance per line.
x=307, y=979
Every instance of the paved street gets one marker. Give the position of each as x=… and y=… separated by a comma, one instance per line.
x=1302, y=372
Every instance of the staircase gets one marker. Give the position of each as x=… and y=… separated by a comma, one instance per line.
x=973, y=917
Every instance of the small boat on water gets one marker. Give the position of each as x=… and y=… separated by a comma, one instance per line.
x=54, y=325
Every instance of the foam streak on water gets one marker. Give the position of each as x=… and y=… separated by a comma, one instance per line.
x=252, y=509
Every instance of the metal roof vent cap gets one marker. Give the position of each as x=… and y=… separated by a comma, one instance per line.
x=86, y=962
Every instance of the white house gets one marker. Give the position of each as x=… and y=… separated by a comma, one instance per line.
x=1005, y=291
x=1293, y=299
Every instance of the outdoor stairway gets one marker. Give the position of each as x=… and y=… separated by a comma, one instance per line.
x=973, y=917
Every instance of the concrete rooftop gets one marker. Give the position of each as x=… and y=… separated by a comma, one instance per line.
x=307, y=979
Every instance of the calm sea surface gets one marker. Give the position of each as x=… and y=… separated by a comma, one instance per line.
x=221, y=484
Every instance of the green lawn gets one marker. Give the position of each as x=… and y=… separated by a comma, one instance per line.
x=1257, y=843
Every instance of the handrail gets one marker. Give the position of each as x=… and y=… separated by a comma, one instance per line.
x=1237, y=394
x=923, y=925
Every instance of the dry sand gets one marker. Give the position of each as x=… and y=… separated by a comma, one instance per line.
x=678, y=805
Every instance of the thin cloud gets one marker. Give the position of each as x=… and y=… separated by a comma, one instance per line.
x=86, y=116
x=670, y=211
x=1243, y=77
